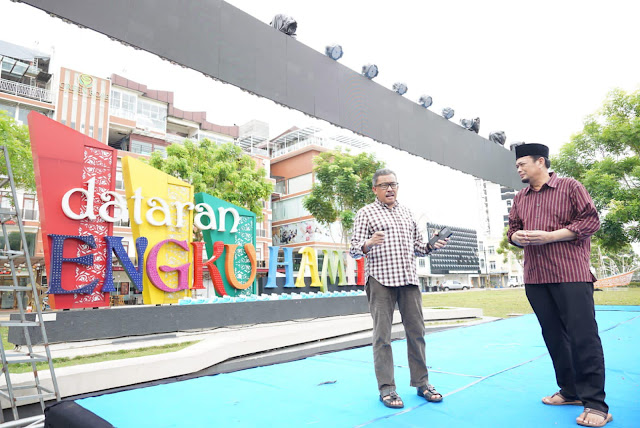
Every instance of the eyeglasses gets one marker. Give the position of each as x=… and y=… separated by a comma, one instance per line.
x=385, y=186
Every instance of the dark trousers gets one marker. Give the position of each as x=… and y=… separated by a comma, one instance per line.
x=567, y=317
x=382, y=302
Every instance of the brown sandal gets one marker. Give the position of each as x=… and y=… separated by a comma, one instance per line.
x=581, y=419
x=564, y=402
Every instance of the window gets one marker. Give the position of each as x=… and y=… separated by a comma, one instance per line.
x=152, y=116
x=119, y=177
x=509, y=203
x=289, y=208
x=492, y=265
x=260, y=231
x=421, y=263
x=145, y=148
x=11, y=110
x=122, y=223
x=5, y=201
x=29, y=211
x=123, y=104
x=491, y=250
x=116, y=99
x=15, y=242
x=141, y=147
x=300, y=184
x=22, y=115
x=281, y=187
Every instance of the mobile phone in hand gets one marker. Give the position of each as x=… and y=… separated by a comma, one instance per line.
x=444, y=233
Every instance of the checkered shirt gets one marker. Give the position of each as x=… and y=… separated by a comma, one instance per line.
x=393, y=263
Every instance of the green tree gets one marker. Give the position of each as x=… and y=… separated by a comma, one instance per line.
x=505, y=249
x=342, y=187
x=605, y=157
x=223, y=171
x=16, y=138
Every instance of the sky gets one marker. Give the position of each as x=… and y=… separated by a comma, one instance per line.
x=534, y=70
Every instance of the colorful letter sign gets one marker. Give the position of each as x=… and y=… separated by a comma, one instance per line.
x=75, y=180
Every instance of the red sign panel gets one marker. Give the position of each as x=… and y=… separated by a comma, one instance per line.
x=66, y=159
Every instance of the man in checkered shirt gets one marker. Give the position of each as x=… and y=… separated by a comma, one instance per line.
x=387, y=234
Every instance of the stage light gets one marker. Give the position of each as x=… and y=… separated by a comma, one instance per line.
x=447, y=113
x=471, y=124
x=400, y=88
x=284, y=24
x=369, y=71
x=425, y=101
x=334, y=52
x=498, y=137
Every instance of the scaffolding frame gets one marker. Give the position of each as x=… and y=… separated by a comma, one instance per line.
x=8, y=392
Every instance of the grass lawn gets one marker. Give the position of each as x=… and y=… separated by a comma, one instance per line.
x=105, y=356
x=501, y=302
x=96, y=358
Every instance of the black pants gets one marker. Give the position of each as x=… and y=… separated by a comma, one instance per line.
x=567, y=317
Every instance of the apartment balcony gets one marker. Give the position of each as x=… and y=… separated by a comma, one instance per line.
x=313, y=141
x=122, y=113
x=26, y=91
x=257, y=151
x=177, y=139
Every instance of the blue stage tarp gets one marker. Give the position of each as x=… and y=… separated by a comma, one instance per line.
x=492, y=375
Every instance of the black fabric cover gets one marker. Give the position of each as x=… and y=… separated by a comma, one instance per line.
x=69, y=414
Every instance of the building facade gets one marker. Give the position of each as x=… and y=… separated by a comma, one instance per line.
x=26, y=85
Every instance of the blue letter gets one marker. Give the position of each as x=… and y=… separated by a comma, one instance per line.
x=114, y=243
x=57, y=247
x=273, y=267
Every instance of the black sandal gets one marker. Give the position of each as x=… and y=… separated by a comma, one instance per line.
x=429, y=393
x=389, y=399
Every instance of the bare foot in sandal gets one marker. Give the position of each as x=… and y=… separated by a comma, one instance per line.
x=558, y=399
x=393, y=401
x=429, y=393
x=593, y=418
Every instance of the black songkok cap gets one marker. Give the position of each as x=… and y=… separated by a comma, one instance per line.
x=531, y=150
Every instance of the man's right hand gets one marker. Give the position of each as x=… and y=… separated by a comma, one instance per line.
x=519, y=238
x=376, y=239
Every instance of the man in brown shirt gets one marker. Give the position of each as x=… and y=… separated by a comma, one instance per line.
x=553, y=219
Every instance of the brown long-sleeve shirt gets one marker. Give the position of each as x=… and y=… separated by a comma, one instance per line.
x=561, y=203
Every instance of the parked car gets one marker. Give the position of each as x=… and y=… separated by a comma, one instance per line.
x=514, y=284
x=454, y=285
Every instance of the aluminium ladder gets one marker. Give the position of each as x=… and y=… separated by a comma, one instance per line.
x=39, y=393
